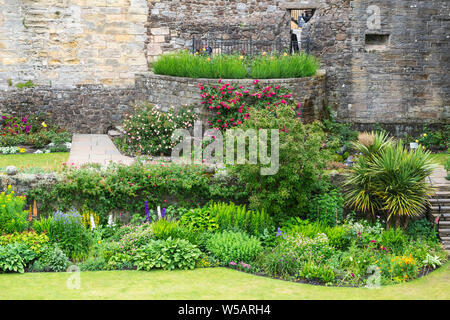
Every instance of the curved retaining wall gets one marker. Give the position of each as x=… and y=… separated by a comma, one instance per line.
x=168, y=91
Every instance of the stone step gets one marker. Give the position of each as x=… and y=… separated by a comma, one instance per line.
x=442, y=186
x=442, y=209
x=442, y=195
x=442, y=201
x=445, y=239
x=444, y=232
x=443, y=217
x=444, y=223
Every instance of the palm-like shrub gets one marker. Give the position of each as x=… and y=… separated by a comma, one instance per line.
x=389, y=179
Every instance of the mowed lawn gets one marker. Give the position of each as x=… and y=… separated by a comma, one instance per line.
x=215, y=283
x=50, y=161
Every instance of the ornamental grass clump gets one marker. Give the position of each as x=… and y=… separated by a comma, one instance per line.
x=390, y=180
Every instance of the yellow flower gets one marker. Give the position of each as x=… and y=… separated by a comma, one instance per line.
x=264, y=53
x=424, y=134
x=209, y=59
x=241, y=57
x=285, y=54
x=44, y=124
x=22, y=150
x=99, y=242
x=417, y=141
x=271, y=58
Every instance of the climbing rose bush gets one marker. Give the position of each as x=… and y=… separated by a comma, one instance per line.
x=230, y=104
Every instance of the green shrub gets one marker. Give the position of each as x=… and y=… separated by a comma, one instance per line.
x=422, y=229
x=149, y=131
x=120, y=261
x=277, y=263
x=121, y=188
x=133, y=238
x=394, y=239
x=164, y=228
x=199, y=219
x=15, y=257
x=338, y=236
x=314, y=271
x=234, y=246
x=70, y=234
x=301, y=162
x=43, y=225
x=53, y=259
x=94, y=264
x=306, y=249
x=327, y=207
x=167, y=254
x=34, y=241
x=233, y=217
x=12, y=216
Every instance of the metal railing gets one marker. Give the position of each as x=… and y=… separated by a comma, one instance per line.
x=248, y=47
x=441, y=215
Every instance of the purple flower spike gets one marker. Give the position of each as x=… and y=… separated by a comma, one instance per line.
x=163, y=214
x=147, y=212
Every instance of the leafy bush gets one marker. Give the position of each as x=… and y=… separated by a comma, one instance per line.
x=234, y=246
x=394, y=239
x=301, y=162
x=149, y=130
x=94, y=264
x=389, y=178
x=12, y=216
x=32, y=240
x=43, y=225
x=70, y=234
x=314, y=271
x=167, y=254
x=422, y=229
x=184, y=64
x=53, y=259
x=15, y=257
x=327, y=207
x=133, y=238
x=199, y=219
x=306, y=249
x=233, y=217
x=338, y=236
x=122, y=188
x=277, y=263
x=164, y=228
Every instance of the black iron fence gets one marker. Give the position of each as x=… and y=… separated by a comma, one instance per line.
x=248, y=47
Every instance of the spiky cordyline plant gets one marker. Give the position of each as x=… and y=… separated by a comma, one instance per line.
x=388, y=178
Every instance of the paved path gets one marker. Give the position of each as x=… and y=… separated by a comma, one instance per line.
x=95, y=148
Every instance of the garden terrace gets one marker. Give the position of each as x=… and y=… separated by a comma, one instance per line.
x=167, y=91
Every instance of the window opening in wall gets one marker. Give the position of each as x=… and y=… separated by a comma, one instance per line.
x=377, y=41
x=299, y=18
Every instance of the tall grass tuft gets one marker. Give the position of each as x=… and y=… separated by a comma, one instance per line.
x=184, y=64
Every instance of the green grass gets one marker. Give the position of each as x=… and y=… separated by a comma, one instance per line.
x=185, y=64
x=217, y=283
x=49, y=161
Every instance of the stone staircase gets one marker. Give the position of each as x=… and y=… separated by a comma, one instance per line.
x=440, y=205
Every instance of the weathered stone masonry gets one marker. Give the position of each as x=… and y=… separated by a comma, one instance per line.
x=85, y=55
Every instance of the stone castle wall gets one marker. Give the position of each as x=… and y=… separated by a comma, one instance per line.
x=401, y=83
x=64, y=43
x=84, y=55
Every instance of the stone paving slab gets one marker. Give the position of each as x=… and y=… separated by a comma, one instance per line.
x=95, y=148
